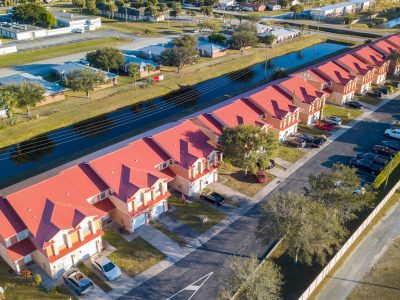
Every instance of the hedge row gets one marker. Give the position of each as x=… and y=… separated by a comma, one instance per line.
x=390, y=167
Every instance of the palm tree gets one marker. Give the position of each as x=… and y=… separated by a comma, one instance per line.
x=134, y=72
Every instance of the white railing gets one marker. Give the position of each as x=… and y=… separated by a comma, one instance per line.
x=347, y=245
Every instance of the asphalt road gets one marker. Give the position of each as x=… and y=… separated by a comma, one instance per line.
x=239, y=237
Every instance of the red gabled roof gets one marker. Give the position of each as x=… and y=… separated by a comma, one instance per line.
x=394, y=40
x=10, y=222
x=334, y=72
x=273, y=102
x=58, y=203
x=20, y=249
x=370, y=56
x=185, y=143
x=301, y=89
x=353, y=64
x=239, y=112
x=384, y=47
x=211, y=123
x=131, y=168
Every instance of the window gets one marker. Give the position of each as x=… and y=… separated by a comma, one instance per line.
x=22, y=235
x=8, y=243
x=85, y=228
x=157, y=188
x=102, y=196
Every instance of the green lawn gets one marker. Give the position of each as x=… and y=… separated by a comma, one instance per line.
x=96, y=279
x=189, y=213
x=148, y=28
x=25, y=57
x=312, y=130
x=241, y=182
x=20, y=288
x=290, y=154
x=368, y=100
x=132, y=257
x=169, y=234
x=78, y=108
x=347, y=114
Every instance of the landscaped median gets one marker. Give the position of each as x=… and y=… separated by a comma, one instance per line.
x=389, y=168
x=132, y=257
x=26, y=57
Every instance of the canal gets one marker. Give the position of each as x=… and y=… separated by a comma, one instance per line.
x=42, y=153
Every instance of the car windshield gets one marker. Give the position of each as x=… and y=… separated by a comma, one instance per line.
x=108, y=267
x=85, y=285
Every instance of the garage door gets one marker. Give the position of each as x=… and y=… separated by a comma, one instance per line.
x=195, y=187
x=87, y=251
x=158, y=210
x=139, y=221
x=63, y=265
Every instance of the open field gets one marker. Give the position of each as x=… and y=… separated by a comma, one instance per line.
x=25, y=57
x=19, y=287
x=241, y=182
x=188, y=213
x=383, y=281
x=132, y=257
x=77, y=108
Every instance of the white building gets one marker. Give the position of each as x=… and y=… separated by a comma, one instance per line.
x=227, y=2
x=281, y=34
x=75, y=21
x=21, y=31
x=6, y=49
x=339, y=9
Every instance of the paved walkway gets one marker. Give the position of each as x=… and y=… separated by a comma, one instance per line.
x=363, y=258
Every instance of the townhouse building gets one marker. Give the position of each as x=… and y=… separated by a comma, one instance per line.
x=309, y=99
x=332, y=79
x=358, y=68
x=387, y=48
x=53, y=223
x=277, y=110
x=376, y=60
x=194, y=161
x=136, y=177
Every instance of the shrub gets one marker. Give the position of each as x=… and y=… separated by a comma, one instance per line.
x=26, y=273
x=390, y=167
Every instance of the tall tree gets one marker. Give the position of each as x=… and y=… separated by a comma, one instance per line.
x=107, y=58
x=217, y=38
x=244, y=36
x=270, y=39
x=35, y=14
x=309, y=229
x=79, y=4
x=9, y=99
x=296, y=9
x=84, y=80
x=206, y=10
x=29, y=94
x=182, y=53
x=240, y=274
x=249, y=147
x=91, y=5
x=134, y=71
x=337, y=191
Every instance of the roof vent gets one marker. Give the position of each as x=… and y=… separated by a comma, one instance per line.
x=29, y=209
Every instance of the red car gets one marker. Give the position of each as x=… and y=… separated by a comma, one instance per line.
x=324, y=126
x=261, y=177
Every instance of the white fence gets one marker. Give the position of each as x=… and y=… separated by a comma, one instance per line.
x=347, y=245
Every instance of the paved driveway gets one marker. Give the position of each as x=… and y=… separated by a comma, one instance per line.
x=239, y=238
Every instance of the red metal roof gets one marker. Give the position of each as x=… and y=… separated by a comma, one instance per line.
x=185, y=143
x=10, y=222
x=334, y=72
x=301, y=89
x=353, y=64
x=105, y=205
x=239, y=112
x=211, y=123
x=394, y=40
x=273, y=102
x=370, y=56
x=385, y=47
x=131, y=168
x=20, y=249
x=58, y=203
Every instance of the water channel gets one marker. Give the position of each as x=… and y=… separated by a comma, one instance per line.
x=44, y=152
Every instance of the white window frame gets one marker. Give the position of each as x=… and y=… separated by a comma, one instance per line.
x=102, y=195
x=8, y=243
x=23, y=234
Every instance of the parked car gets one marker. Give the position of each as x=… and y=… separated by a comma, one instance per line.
x=384, y=151
x=366, y=165
x=318, y=142
x=374, y=94
x=394, y=83
x=354, y=104
x=333, y=120
x=261, y=177
x=109, y=270
x=324, y=126
x=393, y=133
x=305, y=136
x=84, y=62
x=78, y=282
x=378, y=159
x=383, y=90
x=392, y=145
x=396, y=125
x=213, y=197
x=295, y=142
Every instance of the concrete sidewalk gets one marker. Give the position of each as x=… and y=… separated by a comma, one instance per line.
x=363, y=258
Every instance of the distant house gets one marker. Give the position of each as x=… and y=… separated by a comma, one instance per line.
x=281, y=34
x=254, y=6
x=21, y=31
x=53, y=91
x=73, y=20
x=143, y=65
x=273, y=7
x=227, y=2
x=130, y=14
x=339, y=9
x=6, y=49
x=208, y=49
x=153, y=51
x=63, y=70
